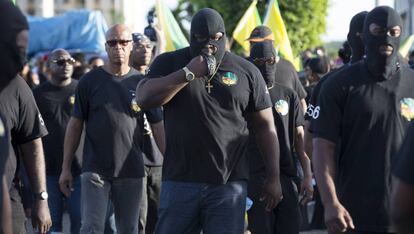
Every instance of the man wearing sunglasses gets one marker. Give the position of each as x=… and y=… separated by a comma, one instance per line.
x=112, y=167
x=55, y=99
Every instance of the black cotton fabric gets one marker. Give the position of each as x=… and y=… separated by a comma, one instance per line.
x=287, y=115
x=286, y=76
x=114, y=124
x=21, y=117
x=207, y=134
x=404, y=162
x=370, y=117
x=55, y=104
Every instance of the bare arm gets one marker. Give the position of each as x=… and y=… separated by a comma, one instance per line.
x=157, y=92
x=402, y=206
x=71, y=143
x=308, y=140
x=159, y=135
x=306, y=189
x=34, y=162
x=268, y=143
x=337, y=217
x=6, y=215
x=303, y=105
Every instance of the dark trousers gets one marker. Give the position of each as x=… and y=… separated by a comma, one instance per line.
x=284, y=219
x=148, y=212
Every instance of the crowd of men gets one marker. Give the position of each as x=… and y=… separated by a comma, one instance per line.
x=181, y=142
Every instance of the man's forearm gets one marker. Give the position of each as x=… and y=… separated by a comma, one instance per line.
x=6, y=214
x=324, y=169
x=308, y=140
x=71, y=142
x=300, y=150
x=153, y=93
x=34, y=163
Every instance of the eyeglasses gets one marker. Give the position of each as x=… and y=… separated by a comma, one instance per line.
x=113, y=43
x=61, y=62
x=263, y=61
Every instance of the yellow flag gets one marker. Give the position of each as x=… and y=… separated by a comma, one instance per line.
x=247, y=23
x=406, y=45
x=273, y=20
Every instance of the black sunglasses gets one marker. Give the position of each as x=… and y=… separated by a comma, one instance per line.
x=262, y=61
x=113, y=43
x=61, y=62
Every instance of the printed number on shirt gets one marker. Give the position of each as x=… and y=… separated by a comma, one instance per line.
x=313, y=111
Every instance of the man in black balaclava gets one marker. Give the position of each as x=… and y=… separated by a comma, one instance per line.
x=288, y=120
x=209, y=96
x=367, y=107
x=21, y=118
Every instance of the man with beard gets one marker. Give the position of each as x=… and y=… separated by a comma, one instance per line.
x=288, y=120
x=153, y=144
x=55, y=99
x=286, y=74
x=209, y=95
x=367, y=107
x=112, y=166
x=22, y=120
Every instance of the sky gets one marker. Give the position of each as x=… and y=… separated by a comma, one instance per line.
x=340, y=13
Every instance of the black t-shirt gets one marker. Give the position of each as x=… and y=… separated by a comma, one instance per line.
x=23, y=123
x=287, y=115
x=207, y=133
x=56, y=104
x=404, y=162
x=287, y=76
x=370, y=117
x=114, y=124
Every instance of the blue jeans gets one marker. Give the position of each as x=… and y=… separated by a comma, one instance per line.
x=123, y=193
x=56, y=203
x=192, y=207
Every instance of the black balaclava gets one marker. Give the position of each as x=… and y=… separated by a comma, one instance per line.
x=206, y=23
x=355, y=42
x=382, y=66
x=12, y=59
x=265, y=50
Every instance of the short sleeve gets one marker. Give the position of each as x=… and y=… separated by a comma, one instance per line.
x=327, y=114
x=161, y=66
x=313, y=101
x=81, y=106
x=259, y=98
x=154, y=115
x=403, y=167
x=30, y=124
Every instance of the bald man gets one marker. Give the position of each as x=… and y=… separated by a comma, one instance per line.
x=112, y=168
x=55, y=99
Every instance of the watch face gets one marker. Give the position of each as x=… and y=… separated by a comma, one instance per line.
x=44, y=195
x=190, y=76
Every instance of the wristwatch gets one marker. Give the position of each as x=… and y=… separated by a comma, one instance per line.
x=41, y=196
x=189, y=76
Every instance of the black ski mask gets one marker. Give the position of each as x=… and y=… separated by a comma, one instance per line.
x=263, y=55
x=206, y=24
x=381, y=65
x=354, y=36
x=12, y=59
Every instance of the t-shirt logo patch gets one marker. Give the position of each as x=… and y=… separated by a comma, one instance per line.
x=2, y=130
x=72, y=100
x=282, y=107
x=134, y=106
x=229, y=79
x=407, y=108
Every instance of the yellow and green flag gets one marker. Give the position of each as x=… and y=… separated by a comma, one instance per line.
x=406, y=45
x=273, y=20
x=247, y=23
x=174, y=37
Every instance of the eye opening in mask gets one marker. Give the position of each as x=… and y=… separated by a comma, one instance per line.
x=61, y=62
x=377, y=30
x=263, y=61
x=203, y=38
